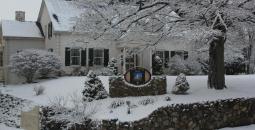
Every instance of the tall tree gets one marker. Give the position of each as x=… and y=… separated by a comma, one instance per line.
x=189, y=19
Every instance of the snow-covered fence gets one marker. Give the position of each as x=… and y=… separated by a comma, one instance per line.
x=31, y=120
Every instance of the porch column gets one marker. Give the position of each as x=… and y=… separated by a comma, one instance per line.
x=150, y=59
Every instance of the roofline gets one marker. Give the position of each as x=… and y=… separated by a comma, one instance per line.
x=41, y=11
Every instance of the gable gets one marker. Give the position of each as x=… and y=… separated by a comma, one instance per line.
x=62, y=14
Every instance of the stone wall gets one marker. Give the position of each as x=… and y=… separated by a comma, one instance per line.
x=119, y=88
x=196, y=116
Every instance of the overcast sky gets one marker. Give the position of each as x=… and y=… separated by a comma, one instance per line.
x=8, y=8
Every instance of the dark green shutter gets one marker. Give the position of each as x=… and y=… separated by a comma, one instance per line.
x=137, y=60
x=172, y=53
x=106, y=57
x=91, y=56
x=67, y=56
x=83, y=57
x=166, y=58
x=186, y=55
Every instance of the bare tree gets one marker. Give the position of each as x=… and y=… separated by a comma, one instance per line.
x=158, y=20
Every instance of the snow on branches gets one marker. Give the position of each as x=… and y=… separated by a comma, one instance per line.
x=29, y=62
x=94, y=89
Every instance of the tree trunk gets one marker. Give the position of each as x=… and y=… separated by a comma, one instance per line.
x=216, y=74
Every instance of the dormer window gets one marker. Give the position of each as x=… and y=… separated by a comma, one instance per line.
x=50, y=30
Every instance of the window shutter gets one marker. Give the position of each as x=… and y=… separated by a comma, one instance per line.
x=91, y=56
x=67, y=56
x=172, y=53
x=166, y=58
x=50, y=30
x=83, y=57
x=136, y=58
x=106, y=57
x=186, y=55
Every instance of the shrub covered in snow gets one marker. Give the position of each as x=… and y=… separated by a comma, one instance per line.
x=39, y=90
x=146, y=101
x=94, y=89
x=31, y=61
x=178, y=65
x=181, y=85
x=117, y=103
x=49, y=63
x=113, y=66
x=157, y=65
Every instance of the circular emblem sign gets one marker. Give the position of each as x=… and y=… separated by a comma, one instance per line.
x=137, y=76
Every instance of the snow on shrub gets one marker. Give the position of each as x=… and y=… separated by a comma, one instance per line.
x=31, y=61
x=58, y=103
x=147, y=101
x=39, y=90
x=94, y=89
x=117, y=103
x=167, y=98
x=181, y=85
x=178, y=65
x=49, y=63
x=113, y=66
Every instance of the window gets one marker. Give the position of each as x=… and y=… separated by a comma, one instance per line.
x=183, y=54
x=98, y=57
x=130, y=62
x=75, y=57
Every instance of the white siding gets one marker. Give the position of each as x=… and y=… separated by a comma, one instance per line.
x=11, y=47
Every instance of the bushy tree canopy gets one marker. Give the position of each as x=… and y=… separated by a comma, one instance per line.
x=28, y=62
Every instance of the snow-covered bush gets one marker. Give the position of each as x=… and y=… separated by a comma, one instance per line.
x=105, y=71
x=29, y=62
x=79, y=71
x=157, y=65
x=181, y=85
x=39, y=90
x=117, y=103
x=113, y=66
x=49, y=63
x=147, y=101
x=178, y=65
x=58, y=103
x=94, y=89
x=167, y=98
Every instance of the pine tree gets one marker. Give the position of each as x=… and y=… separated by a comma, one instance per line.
x=113, y=66
x=94, y=89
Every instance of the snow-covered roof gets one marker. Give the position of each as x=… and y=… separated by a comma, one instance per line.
x=62, y=14
x=20, y=29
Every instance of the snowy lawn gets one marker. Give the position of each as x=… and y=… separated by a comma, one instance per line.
x=4, y=127
x=66, y=87
x=250, y=127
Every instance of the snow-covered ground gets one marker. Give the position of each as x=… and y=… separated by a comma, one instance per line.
x=250, y=127
x=4, y=127
x=67, y=87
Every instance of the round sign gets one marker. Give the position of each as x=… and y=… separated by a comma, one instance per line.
x=137, y=76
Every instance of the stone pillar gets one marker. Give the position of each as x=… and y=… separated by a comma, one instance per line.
x=31, y=120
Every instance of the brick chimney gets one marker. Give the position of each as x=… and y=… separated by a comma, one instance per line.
x=20, y=16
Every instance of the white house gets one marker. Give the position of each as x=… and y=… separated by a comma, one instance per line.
x=53, y=31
